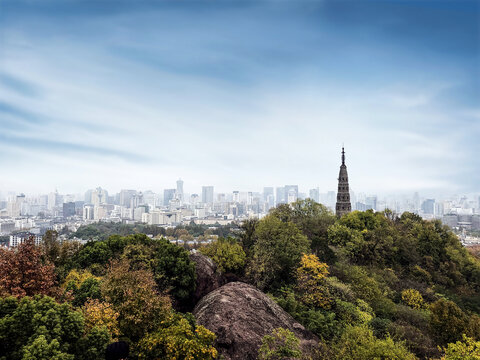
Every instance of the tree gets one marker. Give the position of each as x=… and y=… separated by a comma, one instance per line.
x=83, y=285
x=171, y=265
x=178, y=341
x=51, y=246
x=97, y=313
x=467, y=349
x=282, y=344
x=247, y=236
x=359, y=343
x=174, y=271
x=23, y=273
x=134, y=295
x=311, y=282
x=276, y=253
x=412, y=298
x=40, y=328
x=140, y=256
x=40, y=349
x=227, y=254
x=447, y=320
x=313, y=219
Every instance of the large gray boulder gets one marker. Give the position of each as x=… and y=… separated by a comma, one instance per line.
x=207, y=278
x=241, y=315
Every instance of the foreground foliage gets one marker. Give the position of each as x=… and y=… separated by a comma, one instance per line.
x=369, y=285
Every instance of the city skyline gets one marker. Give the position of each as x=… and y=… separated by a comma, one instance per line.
x=250, y=94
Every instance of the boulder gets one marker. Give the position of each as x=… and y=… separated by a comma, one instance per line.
x=207, y=278
x=241, y=315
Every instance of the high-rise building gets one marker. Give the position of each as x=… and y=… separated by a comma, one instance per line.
x=268, y=197
x=194, y=199
x=207, y=194
x=54, y=199
x=68, y=209
x=236, y=196
x=428, y=206
x=343, y=205
x=314, y=194
x=168, y=194
x=99, y=196
x=371, y=202
x=280, y=195
x=180, y=190
x=291, y=193
x=126, y=197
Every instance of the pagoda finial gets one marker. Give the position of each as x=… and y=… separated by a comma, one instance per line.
x=343, y=155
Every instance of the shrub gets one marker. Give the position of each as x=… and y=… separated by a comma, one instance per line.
x=281, y=344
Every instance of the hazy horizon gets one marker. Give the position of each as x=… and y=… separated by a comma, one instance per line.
x=239, y=95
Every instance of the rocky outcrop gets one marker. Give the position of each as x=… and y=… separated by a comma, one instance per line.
x=207, y=278
x=241, y=315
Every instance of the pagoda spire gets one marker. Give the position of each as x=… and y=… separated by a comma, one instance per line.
x=343, y=205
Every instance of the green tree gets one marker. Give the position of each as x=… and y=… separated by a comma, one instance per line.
x=276, y=253
x=179, y=339
x=247, y=236
x=227, y=254
x=134, y=296
x=447, y=320
x=51, y=246
x=359, y=343
x=174, y=271
x=40, y=349
x=40, y=328
x=82, y=285
x=282, y=344
x=467, y=349
x=313, y=219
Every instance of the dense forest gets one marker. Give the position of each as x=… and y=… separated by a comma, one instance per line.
x=367, y=285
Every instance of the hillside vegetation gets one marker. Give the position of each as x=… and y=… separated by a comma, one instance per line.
x=368, y=285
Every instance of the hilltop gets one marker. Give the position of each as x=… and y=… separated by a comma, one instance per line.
x=305, y=285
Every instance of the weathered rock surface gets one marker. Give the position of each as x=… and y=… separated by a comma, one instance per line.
x=241, y=315
x=207, y=277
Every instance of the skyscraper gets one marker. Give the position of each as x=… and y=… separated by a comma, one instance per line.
x=314, y=194
x=291, y=193
x=268, y=197
x=168, y=194
x=280, y=195
x=207, y=194
x=343, y=205
x=180, y=190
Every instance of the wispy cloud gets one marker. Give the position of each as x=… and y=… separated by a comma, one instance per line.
x=240, y=95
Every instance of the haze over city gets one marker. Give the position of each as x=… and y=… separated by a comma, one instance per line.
x=249, y=94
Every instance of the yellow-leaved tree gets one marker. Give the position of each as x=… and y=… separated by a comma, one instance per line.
x=311, y=285
x=98, y=313
x=412, y=298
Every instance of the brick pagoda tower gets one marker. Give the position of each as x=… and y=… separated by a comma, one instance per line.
x=343, y=195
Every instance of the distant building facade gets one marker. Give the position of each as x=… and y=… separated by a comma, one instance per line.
x=68, y=209
x=20, y=238
x=207, y=194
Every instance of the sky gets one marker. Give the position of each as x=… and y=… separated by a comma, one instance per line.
x=240, y=95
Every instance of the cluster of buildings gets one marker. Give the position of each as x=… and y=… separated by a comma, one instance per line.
x=173, y=206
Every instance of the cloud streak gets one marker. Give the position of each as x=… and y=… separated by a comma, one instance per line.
x=241, y=95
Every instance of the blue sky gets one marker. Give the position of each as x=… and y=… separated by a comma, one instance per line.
x=239, y=94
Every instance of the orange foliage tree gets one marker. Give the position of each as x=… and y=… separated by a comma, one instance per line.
x=23, y=273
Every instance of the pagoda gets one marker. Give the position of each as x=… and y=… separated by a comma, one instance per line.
x=343, y=205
